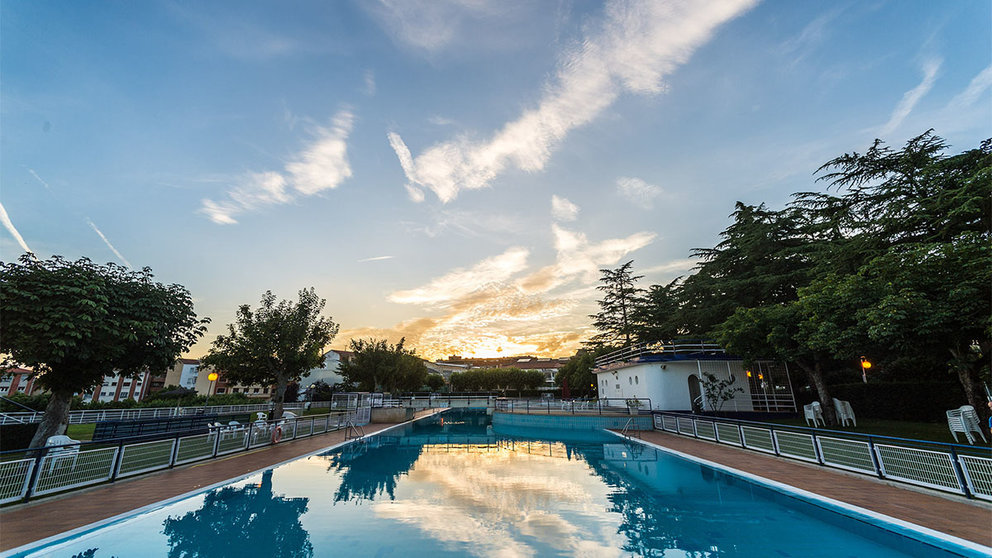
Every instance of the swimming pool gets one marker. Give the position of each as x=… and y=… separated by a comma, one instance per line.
x=452, y=486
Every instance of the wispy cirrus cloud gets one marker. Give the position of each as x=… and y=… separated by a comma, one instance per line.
x=9, y=225
x=106, y=241
x=637, y=45
x=976, y=88
x=322, y=165
x=911, y=97
x=638, y=191
x=375, y=259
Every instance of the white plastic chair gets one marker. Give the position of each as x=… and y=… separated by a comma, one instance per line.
x=964, y=419
x=844, y=412
x=60, y=449
x=814, y=413
x=261, y=415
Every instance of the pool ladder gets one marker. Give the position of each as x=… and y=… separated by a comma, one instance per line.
x=353, y=431
x=626, y=429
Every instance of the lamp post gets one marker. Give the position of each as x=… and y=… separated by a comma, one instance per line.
x=865, y=365
x=213, y=378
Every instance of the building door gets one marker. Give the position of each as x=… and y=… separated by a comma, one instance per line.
x=695, y=394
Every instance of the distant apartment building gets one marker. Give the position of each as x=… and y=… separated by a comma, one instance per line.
x=188, y=373
x=329, y=370
x=116, y=388
x=17, y=380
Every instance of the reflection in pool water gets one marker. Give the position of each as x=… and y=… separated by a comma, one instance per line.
x=459, y=488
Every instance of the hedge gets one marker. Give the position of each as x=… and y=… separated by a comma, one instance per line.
x=916, y=401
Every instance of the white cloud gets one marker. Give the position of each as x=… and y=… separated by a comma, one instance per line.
x=430, y=25
x=106, y=241
x=369, y=82
x=9, y=225
x=375, y=259
x=39, y=179
x=638, y=191
x=563, y=210
x=638, y=44
x=322, y=165
x=911, y=97
x=462, y=282
x=976, y=88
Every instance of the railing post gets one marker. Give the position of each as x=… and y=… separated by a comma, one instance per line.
x=116, y=469
x=874, y=458
x=35, y=472
x=959, y=473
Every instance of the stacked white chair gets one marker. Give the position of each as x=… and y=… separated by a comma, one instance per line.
x=813, y=413
x=964, y=419
x=844, y=412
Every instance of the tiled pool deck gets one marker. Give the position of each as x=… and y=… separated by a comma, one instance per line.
x=33, y=521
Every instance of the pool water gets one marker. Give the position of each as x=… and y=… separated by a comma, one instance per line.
x=452, y=486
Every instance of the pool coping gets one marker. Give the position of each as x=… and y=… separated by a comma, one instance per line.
x=895, y=525
x=81, y=530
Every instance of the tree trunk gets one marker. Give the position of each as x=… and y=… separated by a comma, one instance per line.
x=279, y=396
x=55, y=420
x=968, y=376
x=815, y=373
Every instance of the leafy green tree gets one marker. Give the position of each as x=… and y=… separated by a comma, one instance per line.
x=435, y=382
x=275, y=344
x=615, y=318
x=379, y=366
x=577, y=374
x=657, y=315
x=75, y=322
x=923, y=287
x=497, y=379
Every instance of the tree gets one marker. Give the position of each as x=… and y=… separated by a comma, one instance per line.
x=378, y=366
x=577, y=374
x=435, y=382
x=75, y=322
x=275, y=344
x=657, y=314
x=614, y=320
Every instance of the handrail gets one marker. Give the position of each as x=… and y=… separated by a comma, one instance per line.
x=39, y=471
x=671, y=347
x=948, y=467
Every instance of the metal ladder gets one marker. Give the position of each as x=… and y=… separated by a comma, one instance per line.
x=625, y=432
x=353, y=431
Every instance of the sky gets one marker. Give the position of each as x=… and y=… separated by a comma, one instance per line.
x=455, y=172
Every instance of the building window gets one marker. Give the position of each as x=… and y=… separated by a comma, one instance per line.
x=256, y=390
x=235, y=390
x=630, y=380
x=220, y=390
x=636, y=381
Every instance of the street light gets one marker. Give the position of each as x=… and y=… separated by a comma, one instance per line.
x=865, y=365
x=213, y=378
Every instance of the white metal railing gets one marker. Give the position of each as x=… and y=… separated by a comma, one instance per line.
x=946, y=467
x=88, y=416
x=29, y=473
x=666, y=347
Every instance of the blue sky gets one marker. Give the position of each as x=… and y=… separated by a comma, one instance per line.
x=455, y=172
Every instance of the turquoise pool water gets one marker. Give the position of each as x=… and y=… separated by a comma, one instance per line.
x=452, y=486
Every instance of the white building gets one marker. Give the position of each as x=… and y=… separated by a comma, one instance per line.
x=328, y=373
x=673, y=376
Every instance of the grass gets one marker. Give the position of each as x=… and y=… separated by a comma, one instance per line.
x=926, y=431
x=81, y=431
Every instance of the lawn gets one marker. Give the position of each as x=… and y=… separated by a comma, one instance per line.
x=81, y=431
